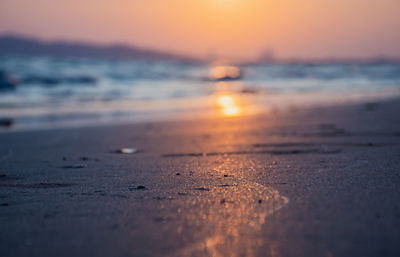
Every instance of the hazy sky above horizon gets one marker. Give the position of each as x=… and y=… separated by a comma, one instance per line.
x=230, y=28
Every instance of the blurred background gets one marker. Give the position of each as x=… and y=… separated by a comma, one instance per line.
x=71, y=63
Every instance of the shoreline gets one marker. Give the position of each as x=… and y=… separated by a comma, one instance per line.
x=183, y=116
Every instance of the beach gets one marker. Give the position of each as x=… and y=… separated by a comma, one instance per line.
x=238, y=128
x=315, y=181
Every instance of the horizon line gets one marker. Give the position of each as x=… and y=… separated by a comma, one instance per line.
x=239, y=60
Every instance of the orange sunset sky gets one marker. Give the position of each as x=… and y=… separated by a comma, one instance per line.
x=228, y=28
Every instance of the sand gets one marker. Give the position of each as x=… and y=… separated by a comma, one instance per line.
x=309, y=182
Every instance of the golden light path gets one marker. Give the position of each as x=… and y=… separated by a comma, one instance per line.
x=237, y=222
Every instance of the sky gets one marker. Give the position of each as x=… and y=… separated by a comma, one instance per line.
x=241, y=29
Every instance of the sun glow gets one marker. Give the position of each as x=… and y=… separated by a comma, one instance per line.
x=226, y=101
x=228, y=105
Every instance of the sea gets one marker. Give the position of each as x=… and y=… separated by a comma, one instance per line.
x=50, y=92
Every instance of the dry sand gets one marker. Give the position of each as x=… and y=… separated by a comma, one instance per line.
x=316, y=182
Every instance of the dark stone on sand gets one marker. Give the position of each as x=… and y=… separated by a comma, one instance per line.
x=201, y=189
x=223, y=201
x=138, y=188
x=225, y=175
x=259, y=201
x=178, y=174
x=225, y=185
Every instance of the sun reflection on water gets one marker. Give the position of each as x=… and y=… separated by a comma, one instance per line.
x=228, y=105
x=230, y=100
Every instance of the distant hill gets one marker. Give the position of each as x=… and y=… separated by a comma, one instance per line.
x=11, y=44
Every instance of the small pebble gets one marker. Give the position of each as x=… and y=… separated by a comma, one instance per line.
x=259, y=201
x=178, y=174
x=138, y=188
x=201, y=189
x=127, y=150
x=223, y=201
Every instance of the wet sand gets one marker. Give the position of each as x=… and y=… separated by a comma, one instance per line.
x=315, y=182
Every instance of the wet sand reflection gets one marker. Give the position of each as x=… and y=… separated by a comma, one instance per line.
x=234, y=212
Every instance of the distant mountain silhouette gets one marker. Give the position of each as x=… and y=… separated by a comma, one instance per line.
x=12, y=44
